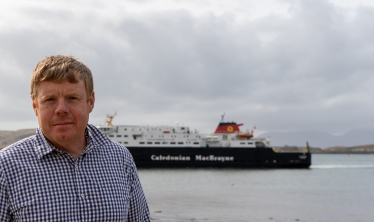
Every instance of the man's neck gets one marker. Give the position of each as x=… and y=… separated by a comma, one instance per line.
x=74, y=149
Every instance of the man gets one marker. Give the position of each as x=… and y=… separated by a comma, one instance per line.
x=68, y=171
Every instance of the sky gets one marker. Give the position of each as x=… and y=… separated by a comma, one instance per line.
x=284, y=65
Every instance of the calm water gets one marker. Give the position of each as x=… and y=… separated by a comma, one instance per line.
x=335, y=188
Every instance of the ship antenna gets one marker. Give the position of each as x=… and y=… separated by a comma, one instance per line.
x=222, y=117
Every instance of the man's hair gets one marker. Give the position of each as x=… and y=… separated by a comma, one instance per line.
x=59, y=68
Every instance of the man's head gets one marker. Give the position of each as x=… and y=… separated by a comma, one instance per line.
x=58, y=69
x=63, y=97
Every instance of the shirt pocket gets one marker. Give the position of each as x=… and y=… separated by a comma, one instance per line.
x=116, y=190
x=115, y=196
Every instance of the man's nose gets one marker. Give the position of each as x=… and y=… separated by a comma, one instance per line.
x=62, y=107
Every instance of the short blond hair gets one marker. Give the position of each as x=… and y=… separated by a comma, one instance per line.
x=59, y=68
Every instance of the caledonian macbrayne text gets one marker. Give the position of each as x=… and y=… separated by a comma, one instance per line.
x=188, y=158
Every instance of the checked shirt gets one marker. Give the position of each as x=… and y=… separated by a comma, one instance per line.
x=39, y=182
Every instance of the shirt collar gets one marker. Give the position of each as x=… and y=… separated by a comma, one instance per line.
x=43, y=146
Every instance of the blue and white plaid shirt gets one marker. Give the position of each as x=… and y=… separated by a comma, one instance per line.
x=39, y=182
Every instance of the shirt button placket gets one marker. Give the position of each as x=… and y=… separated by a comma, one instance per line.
x=81, y=188
x=78, y=181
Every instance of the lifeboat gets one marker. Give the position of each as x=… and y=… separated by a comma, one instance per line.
x=245, y=135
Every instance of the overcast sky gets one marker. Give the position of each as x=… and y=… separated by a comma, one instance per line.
x=280, y=65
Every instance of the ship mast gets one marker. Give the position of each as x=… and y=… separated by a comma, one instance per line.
x=222, y=117
x=109, y=119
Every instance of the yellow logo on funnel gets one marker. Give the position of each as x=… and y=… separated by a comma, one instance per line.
x=230, y=128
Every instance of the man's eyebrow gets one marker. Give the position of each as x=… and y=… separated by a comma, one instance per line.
x=68, y=94
x=74, y=94
x=47, y=95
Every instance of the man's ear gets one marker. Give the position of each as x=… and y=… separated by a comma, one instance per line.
x=34, y=106
x=91, y=101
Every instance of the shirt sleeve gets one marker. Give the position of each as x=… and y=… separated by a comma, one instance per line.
x=138, y=208
x=4, y=211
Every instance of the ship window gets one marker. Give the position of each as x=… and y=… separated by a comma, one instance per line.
x=119, y=135
x=250, y=143
x=149, y=142
x=125, y=142
x=125, y=129
x=195, y=142
x=182, y=128
x=157, y=142
x=164, y=142
x=141, y=142
x=180, y=142
x=172, y=142
x=124, y=135
x=242, y=143
x=111, y=135
x=160, y=130
x=224, y=137
x=120, y=142
x=260, y=145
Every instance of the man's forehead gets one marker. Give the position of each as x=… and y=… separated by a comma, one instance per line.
x=50, y=87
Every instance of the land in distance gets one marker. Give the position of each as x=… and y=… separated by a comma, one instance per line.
x=10, y=137
x=364, y=149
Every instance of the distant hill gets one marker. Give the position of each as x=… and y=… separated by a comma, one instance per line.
x=321, y=139
x=9, y=137
x=367, y=149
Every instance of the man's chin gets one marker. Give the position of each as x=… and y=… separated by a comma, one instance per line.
x=62, y=138
x=63, y=126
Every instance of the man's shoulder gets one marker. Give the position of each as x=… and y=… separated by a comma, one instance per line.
x=109, y=146
x=18, y=149
x=116, y=148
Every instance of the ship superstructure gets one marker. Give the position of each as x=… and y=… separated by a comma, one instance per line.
x=181, y=136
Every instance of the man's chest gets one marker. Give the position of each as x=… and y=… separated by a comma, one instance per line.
x=51, y=190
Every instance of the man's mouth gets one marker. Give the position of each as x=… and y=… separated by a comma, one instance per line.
x=63, y=123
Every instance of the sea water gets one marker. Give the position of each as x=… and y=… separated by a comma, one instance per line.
x=336, y=188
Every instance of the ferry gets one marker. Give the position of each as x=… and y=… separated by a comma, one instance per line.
x=179, y=147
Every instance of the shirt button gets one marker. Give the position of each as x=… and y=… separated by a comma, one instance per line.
x=76, y=166
x=82, y=195
x=58, y=154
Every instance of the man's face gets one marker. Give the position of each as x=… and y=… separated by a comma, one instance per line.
x=63, y=110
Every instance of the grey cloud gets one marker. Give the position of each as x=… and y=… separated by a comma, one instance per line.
x=276, y=72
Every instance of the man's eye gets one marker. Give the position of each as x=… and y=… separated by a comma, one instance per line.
x=49, y=99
